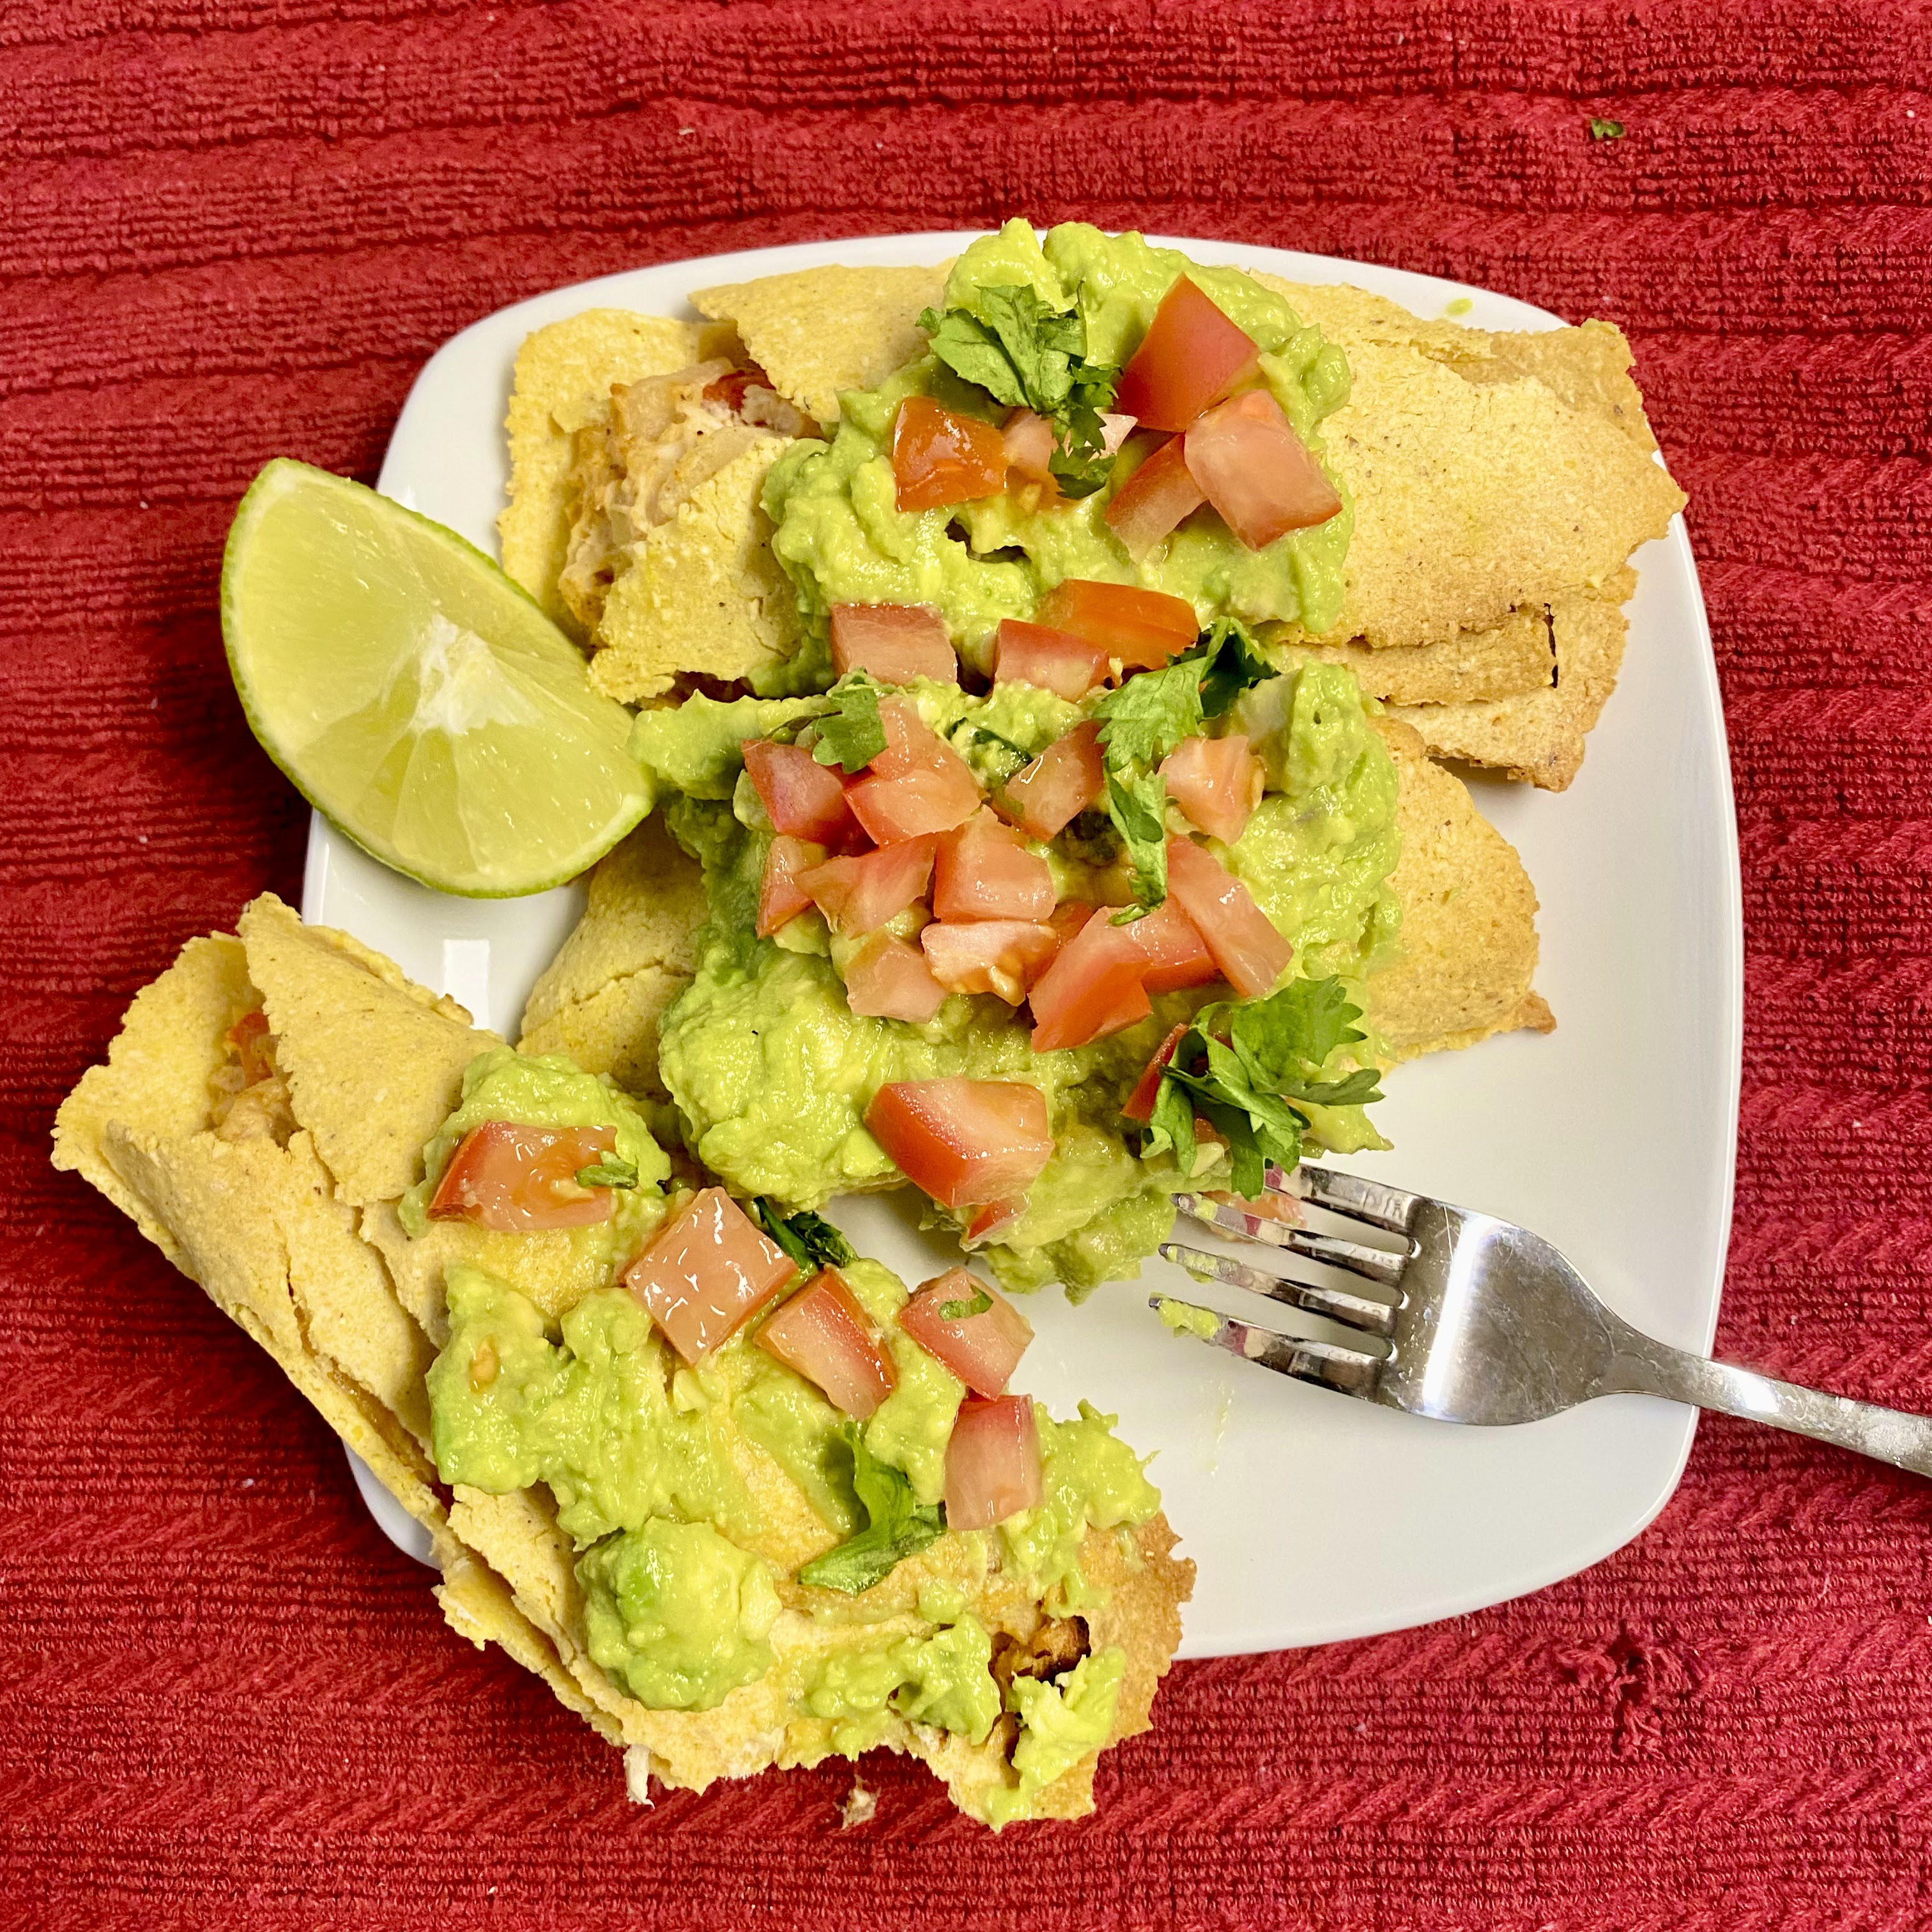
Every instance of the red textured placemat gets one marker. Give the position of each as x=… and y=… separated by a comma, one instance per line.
x=229, y=231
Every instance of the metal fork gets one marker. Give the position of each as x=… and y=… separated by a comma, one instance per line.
x=1485, y=1323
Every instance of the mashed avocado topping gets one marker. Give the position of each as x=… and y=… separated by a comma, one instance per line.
x=692, y=1545
x=842, y=539
x=772, y=1072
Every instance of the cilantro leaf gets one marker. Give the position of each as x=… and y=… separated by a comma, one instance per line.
x=897, y=1526
x=851, y=734
x=1250, y=1069
x=1143, y=721
x=1137, y=803
x=1027, y=355
x=609, y=1171
x=964, y=1309
x=810, y=1240
x=1234, y=664
x=1606, y=130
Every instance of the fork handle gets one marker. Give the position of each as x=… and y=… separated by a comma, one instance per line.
x=1885, y=1435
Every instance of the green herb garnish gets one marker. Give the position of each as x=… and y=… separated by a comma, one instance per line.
x=1606, y=130
x=809, y=1239
x=850, y=733
x=1029, y=356
x=609, y=1171
x=1243, y=1065
x=964, y=1309
x=897, y=1526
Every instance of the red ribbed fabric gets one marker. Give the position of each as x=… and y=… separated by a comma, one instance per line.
x=229, y=231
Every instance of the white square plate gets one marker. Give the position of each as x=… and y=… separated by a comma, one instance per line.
x=1313, y=1517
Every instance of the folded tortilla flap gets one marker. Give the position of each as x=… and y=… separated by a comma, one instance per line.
x=1538, y=737
x=1507, y=660
x=562, y=384
x=374, y=1063
x=1484, y=478
x=817, y=331
x=155, y=1079
x=701, y=592
x=1468, y=917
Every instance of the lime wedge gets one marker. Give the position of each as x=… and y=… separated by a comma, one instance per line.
x=416, y=696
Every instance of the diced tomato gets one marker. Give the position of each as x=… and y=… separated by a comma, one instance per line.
x=1139, y=1105
x=1115, y=428
x=993, y=1218
x=1056, y=660
x=1251, y=954
x=895, y=643
x=889, y=979
x=1254, y=470
x=780, y=897
x=941, y=457
x=992, y=1461
x=1267, y=1206
x=1048, y=795
x=988, y=955
x=824, y=1334
x=982, y=871
x=520, y=1179
x=1154, y=499
x=803, y=799
x=1068, y=916
x=1176, y=954
x=1217, y=782
x=963, y=1141
x=1192, y=354
x=859, y=894
x=1027, y=439
x=1143, y=628
x=253, y=1045
x=983, y=1350
x=708, y=1270
x=1094, y=987
x=916, y=785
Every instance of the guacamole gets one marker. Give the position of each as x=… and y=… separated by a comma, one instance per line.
x=688, y=1548
x=772, y=1072
x=842, y=539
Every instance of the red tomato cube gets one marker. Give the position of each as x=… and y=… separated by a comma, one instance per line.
x=520, y=1180
x=1143, y=628
x=983, y=1350
x=992, y=1461
x=1216, y=782
x=1176, y=954
x=1254, y=470
x=781, y=897
x=1056, y=660
x=963, y=1141
x=824, y=1334
x=1156, y=498
x=889, y=979
x=1191, y=353
x=858, y=894
x=706, y=1273
x=1095, y=986
x=983, y=871
x=1139, y=1104
x=894, y=643
x=989, y=956
x=803, y=799
x=941, y=457
x=1048, y=795
x=1251, y=953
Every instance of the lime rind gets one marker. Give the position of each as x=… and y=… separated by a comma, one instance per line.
x=417, y=697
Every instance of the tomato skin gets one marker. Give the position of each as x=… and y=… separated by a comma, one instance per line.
x=1192, y=354
x=991, y=1220
x=823, y=1334
x=889, y=979
x=1056, y=660
x=803, y=799
x=1157, y=497
x=1048, y=795
x=858, y=894
x=1176, y=954
x=520, y=1180
x=982, y=871
x=1143, y=628
x=1094, y=987
x=1003, y=956
x=1139, y=1105
x=781, y=897
x=963, y=1142
x=983, y=1350
x=707, y=1272
x=1216, y=782
x=1251, y=953
x=992, y=1461
x=1256, y=472
x=940, y=456
x=894, y=643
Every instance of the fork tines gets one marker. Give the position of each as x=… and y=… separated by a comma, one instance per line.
x=1337, y=1304
x=1376, y=1265
x=1351, y=1371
